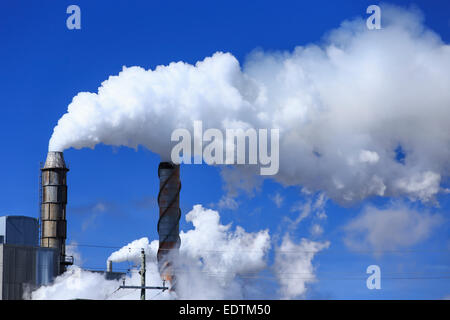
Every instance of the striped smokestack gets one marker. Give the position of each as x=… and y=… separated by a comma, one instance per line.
x=169, y=217
x=53, y=206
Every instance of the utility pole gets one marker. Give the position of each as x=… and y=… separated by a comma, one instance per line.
x=143, y=287
x=142, y=274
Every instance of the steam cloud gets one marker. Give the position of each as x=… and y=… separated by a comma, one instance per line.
x=391, y=228
x=215, y=262
x=343, y=108
x=293, y=265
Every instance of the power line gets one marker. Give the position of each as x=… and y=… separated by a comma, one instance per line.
x=96, y=246
x=126, y=294
x=275, y=251
x=399, y=275
x=109, y=295
x=156, y=295
x=142, y=273
x=213, y=273
x=183, y=271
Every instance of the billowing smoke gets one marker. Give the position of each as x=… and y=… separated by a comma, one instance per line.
x=293, y=266
x=76, y=283
x=364, y=112
x=216, y=261
x=392, y=228
x=132, y=251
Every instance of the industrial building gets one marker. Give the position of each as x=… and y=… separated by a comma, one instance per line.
x=33, y=251
x=24, y=265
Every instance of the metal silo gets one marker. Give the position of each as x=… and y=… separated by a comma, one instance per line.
x=53, y=206
x=169, y=217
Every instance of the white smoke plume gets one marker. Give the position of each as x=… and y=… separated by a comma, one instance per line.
x=132, y=251
x=394, y=227
x=343, y=107
x=215, y=262
x=213, y=257
x=76, y=283
x=293, y=266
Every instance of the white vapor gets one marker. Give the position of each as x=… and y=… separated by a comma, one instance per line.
x=343, y=107
x=215, y=262
x=76, y=283
x=212, y=259
x=392, y=228
x=278, y=199
x=132, y=251
x=293, y=266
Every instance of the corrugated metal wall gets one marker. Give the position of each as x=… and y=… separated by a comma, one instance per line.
x=19, y=230
x=24, y=268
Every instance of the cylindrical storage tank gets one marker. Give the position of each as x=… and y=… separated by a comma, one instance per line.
x=169, y=217
x=53, y=207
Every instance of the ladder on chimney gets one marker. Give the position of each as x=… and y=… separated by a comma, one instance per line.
x=40, y=201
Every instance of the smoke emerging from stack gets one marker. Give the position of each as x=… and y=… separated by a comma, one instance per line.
x=211, y=260
x=216, y=261
x=53, y=207
x=168, y=222
x=345, y=108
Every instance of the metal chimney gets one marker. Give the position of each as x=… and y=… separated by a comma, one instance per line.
x=109, y=266
x=169, y=217
x=53, y=206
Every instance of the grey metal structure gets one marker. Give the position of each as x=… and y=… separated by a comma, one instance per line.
x=19, y=230
x=109, y=266
x=169, y=217
x=110, y=275
x=24, y=268
x=142, y=273
x=53, y=206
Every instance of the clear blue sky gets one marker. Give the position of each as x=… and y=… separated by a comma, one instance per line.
x=44, y=65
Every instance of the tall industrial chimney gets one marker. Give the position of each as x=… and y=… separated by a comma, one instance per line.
x=53, y=207
x=169, y=217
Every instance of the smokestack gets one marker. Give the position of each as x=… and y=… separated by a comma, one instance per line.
x=169, y=217
x=53, y=207
x=109, y=266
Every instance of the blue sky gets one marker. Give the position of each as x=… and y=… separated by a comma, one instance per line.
x=44, y=65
